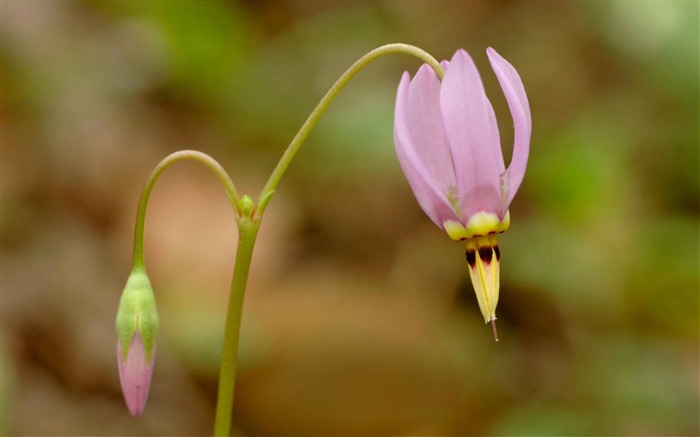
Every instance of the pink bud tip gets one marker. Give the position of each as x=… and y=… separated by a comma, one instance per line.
x=135, y=374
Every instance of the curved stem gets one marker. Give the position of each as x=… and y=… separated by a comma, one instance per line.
x=247, y=233
x=248, y=217
x=311, y=121
x=160, y=168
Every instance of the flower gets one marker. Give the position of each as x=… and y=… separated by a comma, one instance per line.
x=449, y=148
x=137, y=325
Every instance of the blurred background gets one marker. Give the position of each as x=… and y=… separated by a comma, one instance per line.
x=359, y=318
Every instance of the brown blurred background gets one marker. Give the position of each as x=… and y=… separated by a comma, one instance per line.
x=359, y=318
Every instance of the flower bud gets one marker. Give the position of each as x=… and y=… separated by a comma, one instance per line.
x=247, y=205
x=135, y=373
x=137, y=324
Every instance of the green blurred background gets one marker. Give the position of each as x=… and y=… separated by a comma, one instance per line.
x=359, y=318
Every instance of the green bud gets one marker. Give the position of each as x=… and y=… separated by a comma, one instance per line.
x=246, y=205
x=137, y=312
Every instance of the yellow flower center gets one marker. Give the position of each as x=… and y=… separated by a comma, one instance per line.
x=479, y=225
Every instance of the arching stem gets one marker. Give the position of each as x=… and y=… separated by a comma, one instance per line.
x=248, y=228
x=248, y=218
x=157, y=171
x=313, y=118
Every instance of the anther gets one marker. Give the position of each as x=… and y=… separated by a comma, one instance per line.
x=485, y=253
x=471, y=257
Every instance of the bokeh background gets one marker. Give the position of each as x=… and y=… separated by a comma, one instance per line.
x=359, y=318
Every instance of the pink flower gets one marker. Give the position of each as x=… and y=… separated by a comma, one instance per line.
x=135, y=372
x=449, y=148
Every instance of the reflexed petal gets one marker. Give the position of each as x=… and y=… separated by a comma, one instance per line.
x=430, y=197
x=135, y=374
x=426, y=129
x=514, y=91
x=470, y=126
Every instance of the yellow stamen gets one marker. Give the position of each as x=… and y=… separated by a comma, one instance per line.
x=483, y=257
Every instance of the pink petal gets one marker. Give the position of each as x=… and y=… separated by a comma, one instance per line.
x=520, y=109
x=135, y=374
x=426, y=128
x=472, y=132
x=421, y=162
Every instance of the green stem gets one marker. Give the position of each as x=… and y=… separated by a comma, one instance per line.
x=311, y=121
x=248, y=218
x=247, y=232
x=249, y=224
x=160, y=168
